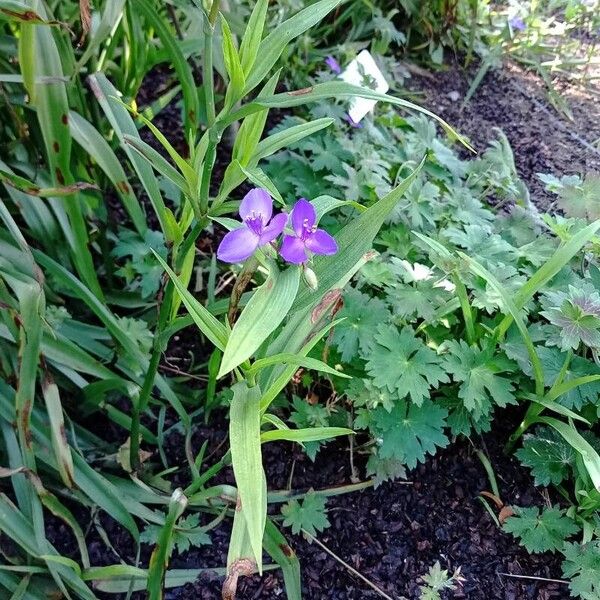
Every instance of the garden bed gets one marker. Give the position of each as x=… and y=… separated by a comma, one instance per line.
x=341, y=404
x=393, y=534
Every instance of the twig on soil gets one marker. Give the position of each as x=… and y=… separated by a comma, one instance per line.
x=546, y=579
x=181, y=373
x=285, y=495
x=291, y=477
x=311, y=538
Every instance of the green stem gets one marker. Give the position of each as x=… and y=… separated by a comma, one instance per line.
x=214, y=12
x=148, y=383
x=158, y=346
x=189, y=241
x=535, y=409
x=209, y=96
x=208, y=474
x=463, y=298
x=563, y=371
x=487, y=465
x=531, y=416
x=207, y=64
x=207, y=168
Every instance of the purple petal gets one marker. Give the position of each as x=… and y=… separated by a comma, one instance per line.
x=352, y=122
x=257, y=202
x=303, y=216
x=320, y=242
x=517, y=23
x=237, y=245
x=333, y=64
x=273, y=229
x=292, y=249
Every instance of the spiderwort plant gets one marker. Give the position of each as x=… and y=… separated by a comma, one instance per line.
x=517, y=24
x=258, y=227
x=306, y=237
x=254, y=355
x=282, y=319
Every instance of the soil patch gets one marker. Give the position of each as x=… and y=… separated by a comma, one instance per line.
x=543, y=140
x=392, y=534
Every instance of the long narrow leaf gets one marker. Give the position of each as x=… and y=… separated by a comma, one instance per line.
x=264, y=312
x=244, y=436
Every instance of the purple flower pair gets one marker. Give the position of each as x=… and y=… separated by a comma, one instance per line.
x=260, y=227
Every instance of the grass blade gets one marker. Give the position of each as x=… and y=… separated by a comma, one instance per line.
x=264, y=312
x=60, y=446
x=164, y=546
x=244, y=437
x=182, y=68
x=123, y=124
x=279, y=550
x=88, y=137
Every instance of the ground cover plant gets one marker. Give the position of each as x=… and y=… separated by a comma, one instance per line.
x=438, y=299
x=364, y=282
x=116, y=347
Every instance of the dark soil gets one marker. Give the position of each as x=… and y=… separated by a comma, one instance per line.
x=393, y=534
x=543, y=140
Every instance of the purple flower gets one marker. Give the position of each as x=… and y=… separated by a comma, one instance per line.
x=333, y=64
x=517, y=23
x=258, y=227
x=307, y=237
x=352, y=122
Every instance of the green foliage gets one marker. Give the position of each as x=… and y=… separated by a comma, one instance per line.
x=89, y=317
x=582, y=565
x=186, y=534
x=576, y=314
x=478, y=373
x=578, y=198
x=362, y=315
x=541, y=531
x=309, y=514
x=307, y=415
x=401, y=363
x=408, y=432
x=437, y=580
x=140, y=269
x=548, y=455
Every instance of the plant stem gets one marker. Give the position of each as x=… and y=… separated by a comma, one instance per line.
x=463, y=298
x=241, y=283
x=148, y=383
x=214, y=12
x=487, y=465
x=188, y=242
x=533, y=412
x=535, y=409
x=207, y=168
x=563, y=371
x=211, y=472
x=207, y=64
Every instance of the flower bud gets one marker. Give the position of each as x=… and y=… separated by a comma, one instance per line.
x=310, y=277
